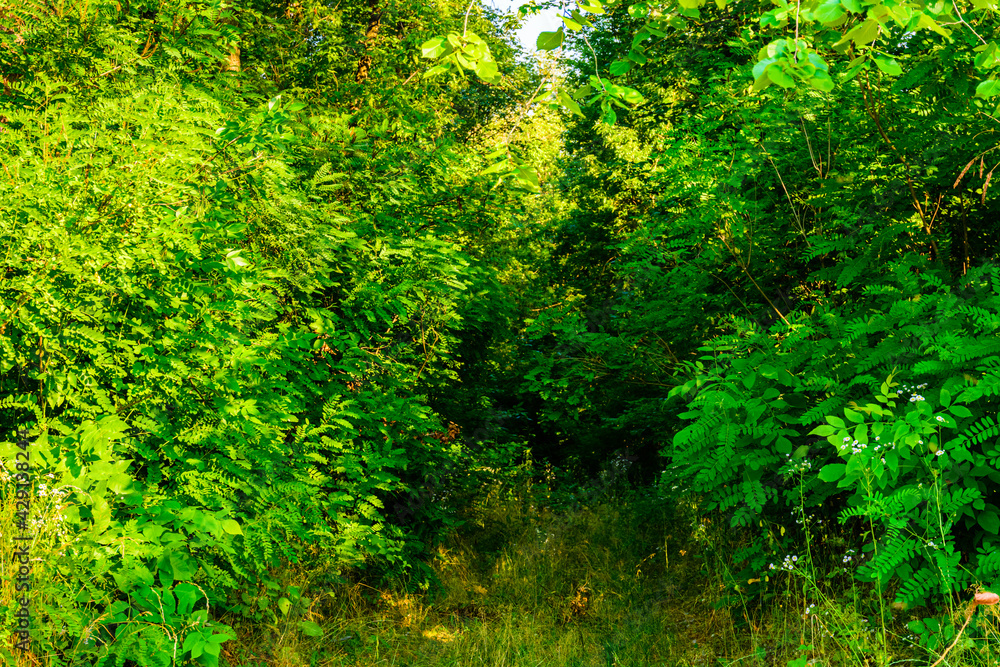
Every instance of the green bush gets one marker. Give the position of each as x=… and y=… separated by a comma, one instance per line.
x=786, y=419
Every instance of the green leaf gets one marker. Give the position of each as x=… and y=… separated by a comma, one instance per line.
x=527, y=177
x=960, y=411
x=989, y=521
x=571, y=24
x=437, y=70
x=832, y=472
x=892, y=461
x=620, y=67
x=925, y=21
x=434, y=47
x=548, y=41
x=778, y=75
x=864, y=33
x=581, y=19
x=285, y=605
x=639, y=10
x=178, y=564
x=496, y=167
x=583, y=91
x=231, y=527
x=187, y=596
x=637, y=57
x=823, y=430
x=988, y=88
x=233, y=260
x=310, y=628
x=194, y=642
x=854, y=416
x=830, y=12
x=888, y=65
x=853, y=68
x=821, y=81
x=569, y=103
x=945, y=398
x=836, y=421
x=632, y=96
x=488, y=72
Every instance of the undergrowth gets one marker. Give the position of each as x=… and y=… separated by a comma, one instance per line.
x=545, y=573
x=620, y=579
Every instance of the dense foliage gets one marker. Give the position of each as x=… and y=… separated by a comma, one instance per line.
x=239, y=246
x=278, y=290
x=746, y=273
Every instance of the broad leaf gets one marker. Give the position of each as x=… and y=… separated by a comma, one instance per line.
x=548, y=41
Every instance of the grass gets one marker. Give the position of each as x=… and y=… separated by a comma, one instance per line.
x=617, y=578
x=519, y=586
x=618, y=581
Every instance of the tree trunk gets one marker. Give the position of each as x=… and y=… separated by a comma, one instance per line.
x=374, y=23
x=234, y=59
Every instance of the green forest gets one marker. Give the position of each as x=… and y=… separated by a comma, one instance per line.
x=355, y=333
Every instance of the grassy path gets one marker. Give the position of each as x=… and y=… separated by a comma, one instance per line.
x=592, y=587
x=615, y=584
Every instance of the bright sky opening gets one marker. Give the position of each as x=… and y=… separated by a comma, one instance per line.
x=546, y=21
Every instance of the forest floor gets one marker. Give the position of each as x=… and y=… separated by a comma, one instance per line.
x=620, y=581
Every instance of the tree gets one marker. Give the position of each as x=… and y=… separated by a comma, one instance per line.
x=230, y=298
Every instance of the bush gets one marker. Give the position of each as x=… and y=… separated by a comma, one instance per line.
x=785, y=420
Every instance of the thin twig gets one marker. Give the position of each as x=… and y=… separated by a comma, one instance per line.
x=799, y=222
x=465, y=26
x=872, y=110
x=597, y=72
x=524, y=110
x=968, y=617
x=961, y=20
